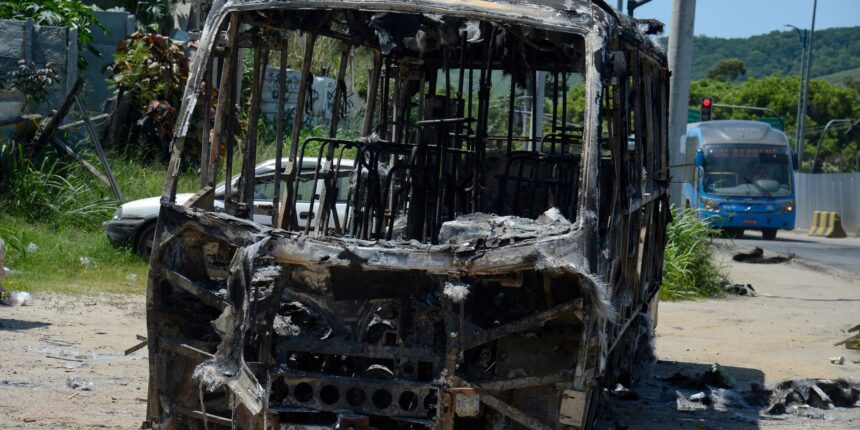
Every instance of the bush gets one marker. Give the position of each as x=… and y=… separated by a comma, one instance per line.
x=689, y=268
x=150, y=71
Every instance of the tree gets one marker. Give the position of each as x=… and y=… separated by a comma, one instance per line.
x=727, y=70
x=840, y=152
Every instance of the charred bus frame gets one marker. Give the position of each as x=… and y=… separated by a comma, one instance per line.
x=480, y=276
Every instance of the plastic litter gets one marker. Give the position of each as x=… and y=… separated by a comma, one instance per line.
x=20, y=298
x=87, y=261
x=131, y=277
x=837, y=360
x=78, y=383
x=31, y=247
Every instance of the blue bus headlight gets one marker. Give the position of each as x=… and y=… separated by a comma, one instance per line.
x=711, y=205
x=787, y=207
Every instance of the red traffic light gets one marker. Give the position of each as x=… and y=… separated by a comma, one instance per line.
x=706, y=109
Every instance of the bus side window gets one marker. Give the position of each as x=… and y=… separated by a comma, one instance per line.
x=691, y=146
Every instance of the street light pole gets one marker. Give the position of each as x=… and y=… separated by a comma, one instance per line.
x=815, y=168
x=801, y=34
x=805, y=99
x=680, y=54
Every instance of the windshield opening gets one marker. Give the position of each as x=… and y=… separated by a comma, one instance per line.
x=747, y=170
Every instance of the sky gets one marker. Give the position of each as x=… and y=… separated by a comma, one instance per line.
x=744, y=18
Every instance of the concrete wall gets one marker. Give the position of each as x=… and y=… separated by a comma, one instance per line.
x=320, y=98
x=98, y=89
x=40, y=44
x=837, y=192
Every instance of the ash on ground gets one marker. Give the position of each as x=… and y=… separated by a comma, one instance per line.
x=717, y=397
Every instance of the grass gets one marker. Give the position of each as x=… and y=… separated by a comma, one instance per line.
x=59, y=207
x=138, y=181
x=690, y=270
x=55, y=264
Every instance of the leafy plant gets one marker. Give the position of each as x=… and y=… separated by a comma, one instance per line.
x=150, y=66
x=152, y=70
x=65, y=13
x=36, y=83
x=689, y=267
x=151, y=13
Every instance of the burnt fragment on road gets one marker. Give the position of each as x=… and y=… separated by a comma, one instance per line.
x=484, y=267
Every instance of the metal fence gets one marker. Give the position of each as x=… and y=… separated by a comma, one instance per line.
x=838, y=192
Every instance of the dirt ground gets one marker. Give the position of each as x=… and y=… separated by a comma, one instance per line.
x=787, y=331
x=61, y=337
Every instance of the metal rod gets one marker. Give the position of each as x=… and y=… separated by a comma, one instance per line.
x=288, y=212
x=340, y=90
x=372, y=87
x=512, y=97
x=99, y=149
x=224, y=102
x=805, y=98
x=279, y=127
x=229, y=203
x=261, y=55
x=204, y=134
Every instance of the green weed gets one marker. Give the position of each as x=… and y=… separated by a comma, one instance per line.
x=49, y=191
x=690, y=270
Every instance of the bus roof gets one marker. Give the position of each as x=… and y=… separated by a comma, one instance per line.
x=738, y=131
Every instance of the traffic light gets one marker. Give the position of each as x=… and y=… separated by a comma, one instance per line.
x=706, y=109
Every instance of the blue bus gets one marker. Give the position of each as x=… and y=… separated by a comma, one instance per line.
x=740, y=176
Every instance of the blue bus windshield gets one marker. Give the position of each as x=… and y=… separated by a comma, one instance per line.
x=747, y=170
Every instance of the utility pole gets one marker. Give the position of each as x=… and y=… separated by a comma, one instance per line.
x=801, y=34
x=680, y=64
x=805, y=99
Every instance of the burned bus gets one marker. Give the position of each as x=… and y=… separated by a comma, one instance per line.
x=482, y=250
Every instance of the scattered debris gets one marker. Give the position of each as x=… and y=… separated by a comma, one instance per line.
x=852, y=342
x=57, y=342
x=31, y=247
x=456, y=292
x=838, y=360
x=78, y=383
x=719, y=399
x=88, y=262
x=621, y=392
x=143, y=342
x=740, y=289
x=756, y=256
x=65, y=358
x=817, y=393
x=131, y=278
x=715, y=376
x=19, y=298
x=689, y=404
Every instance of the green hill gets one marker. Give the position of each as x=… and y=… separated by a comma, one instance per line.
x=835, y=50
x=839, y=77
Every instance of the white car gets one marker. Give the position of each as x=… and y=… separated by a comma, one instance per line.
x=133, y=223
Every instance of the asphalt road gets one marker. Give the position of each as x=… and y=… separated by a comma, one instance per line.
x=841, y=254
